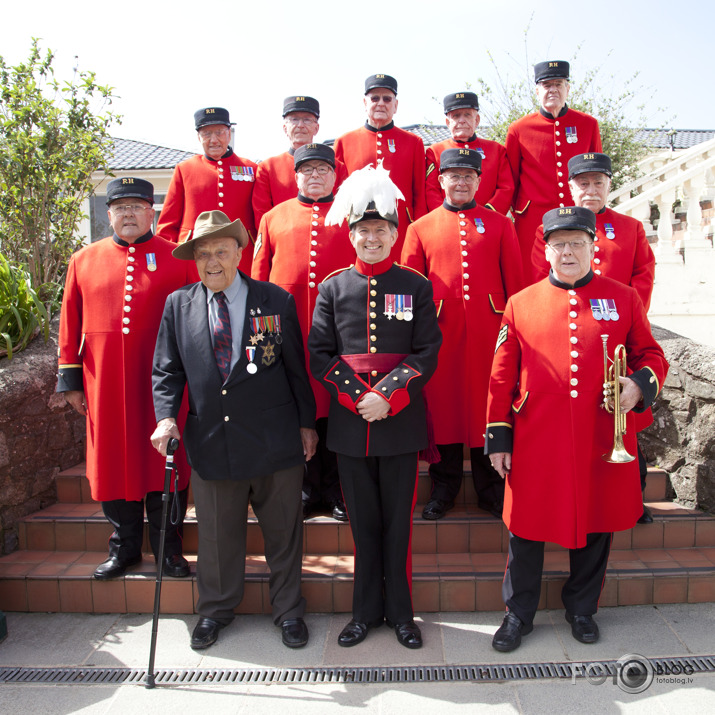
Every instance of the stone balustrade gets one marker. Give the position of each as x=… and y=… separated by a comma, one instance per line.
x=682, y=187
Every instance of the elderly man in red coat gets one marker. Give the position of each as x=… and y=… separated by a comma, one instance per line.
x=472, y=257
x=621, y=251
x=275, y=177
x=111, y=309
x=216, y=179
x=547, y=388
x=297, y=250
x=539, y=146
x=401, y=153
x=496, y=184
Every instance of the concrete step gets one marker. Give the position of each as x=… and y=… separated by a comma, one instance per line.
x=61, y=581
x=73, y=487
x=466, y=528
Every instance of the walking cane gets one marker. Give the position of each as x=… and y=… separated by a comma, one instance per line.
x=171, y=447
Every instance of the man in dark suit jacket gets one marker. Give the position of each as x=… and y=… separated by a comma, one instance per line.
x=236, y=344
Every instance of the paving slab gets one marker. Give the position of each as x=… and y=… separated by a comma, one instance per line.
x=59, y=639
x=450, y=639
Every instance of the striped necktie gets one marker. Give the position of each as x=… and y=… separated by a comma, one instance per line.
x=222, y=339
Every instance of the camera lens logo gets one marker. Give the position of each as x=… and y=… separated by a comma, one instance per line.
x=634, y=673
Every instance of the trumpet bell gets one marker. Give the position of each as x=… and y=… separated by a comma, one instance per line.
x=618, y=454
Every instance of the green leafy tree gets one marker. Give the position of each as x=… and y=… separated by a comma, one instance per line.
x=52, y=137
x=619, y=115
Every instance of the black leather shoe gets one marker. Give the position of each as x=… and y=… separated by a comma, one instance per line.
x=295, y=632
x=355, y=633
x=508, y=637
x=494, y=509
x=646, y=517
x=176, y=566
x=339, y=511
x=409, y=634
x=436, y=509
x=206, y=633
x=114, y=567
x=583, y=628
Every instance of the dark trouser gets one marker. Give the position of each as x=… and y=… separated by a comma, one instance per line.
x=522, y=581
x=221, y=512
x=127, y=518
x=642, y=467
x=447, y=474
x=380, y=496
x=321, y=482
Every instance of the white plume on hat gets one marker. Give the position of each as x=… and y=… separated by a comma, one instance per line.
x=359, y=189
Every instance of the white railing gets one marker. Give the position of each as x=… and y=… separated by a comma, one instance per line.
x=684, y=293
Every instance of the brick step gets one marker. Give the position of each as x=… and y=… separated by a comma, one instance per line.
x=73, y=487
x=82, y=527
x=61, y=581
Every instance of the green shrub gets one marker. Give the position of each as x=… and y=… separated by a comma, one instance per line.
x=22, y=313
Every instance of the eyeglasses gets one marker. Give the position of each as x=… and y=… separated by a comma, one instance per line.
x=456, y=178
x=308, y=170
x=210, y=133
x=560, y=247
x=300, y=120
x=386, y=98
x=124, y=209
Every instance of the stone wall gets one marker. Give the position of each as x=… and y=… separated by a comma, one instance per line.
x=682, y=438
x=39, y=435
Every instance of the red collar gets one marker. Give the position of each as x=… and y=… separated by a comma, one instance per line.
x=373, y=269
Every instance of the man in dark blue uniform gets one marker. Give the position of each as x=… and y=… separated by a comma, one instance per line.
x=374, y=344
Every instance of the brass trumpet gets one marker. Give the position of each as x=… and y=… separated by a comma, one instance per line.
x=612, y=388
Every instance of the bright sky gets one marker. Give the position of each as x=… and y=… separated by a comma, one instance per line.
x=167, y=59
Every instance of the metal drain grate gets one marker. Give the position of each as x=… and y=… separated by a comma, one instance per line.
x=408, y=674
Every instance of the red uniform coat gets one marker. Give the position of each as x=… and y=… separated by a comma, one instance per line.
x=545, y=393
x=472, y=276
x=106, y=346
x=627, y=258
x=496, y=188
x=296, y=250
x=402, y=154
x=539, y=148
x=275, y=183
x=201, y=184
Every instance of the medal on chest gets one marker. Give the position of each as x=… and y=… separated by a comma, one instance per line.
x=610, y=231
x=480, y=225
x=604, y=309
x=571, y=135
x=151, y=262
x=252, y=368
x=391, y=146
x=242, y=173
x=399, y=306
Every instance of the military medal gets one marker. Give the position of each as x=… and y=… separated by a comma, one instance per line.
x=596, y=309
x=252, y=368
x=610, y=233
x=480, y=225
x=151, y=261
x=481, y=153
x=235, y=175
x=408, y=307
x=571, y=136
x=389, y=305
x=612, y=311
x=277, y=335
x=391, y=145
x=400, y=300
